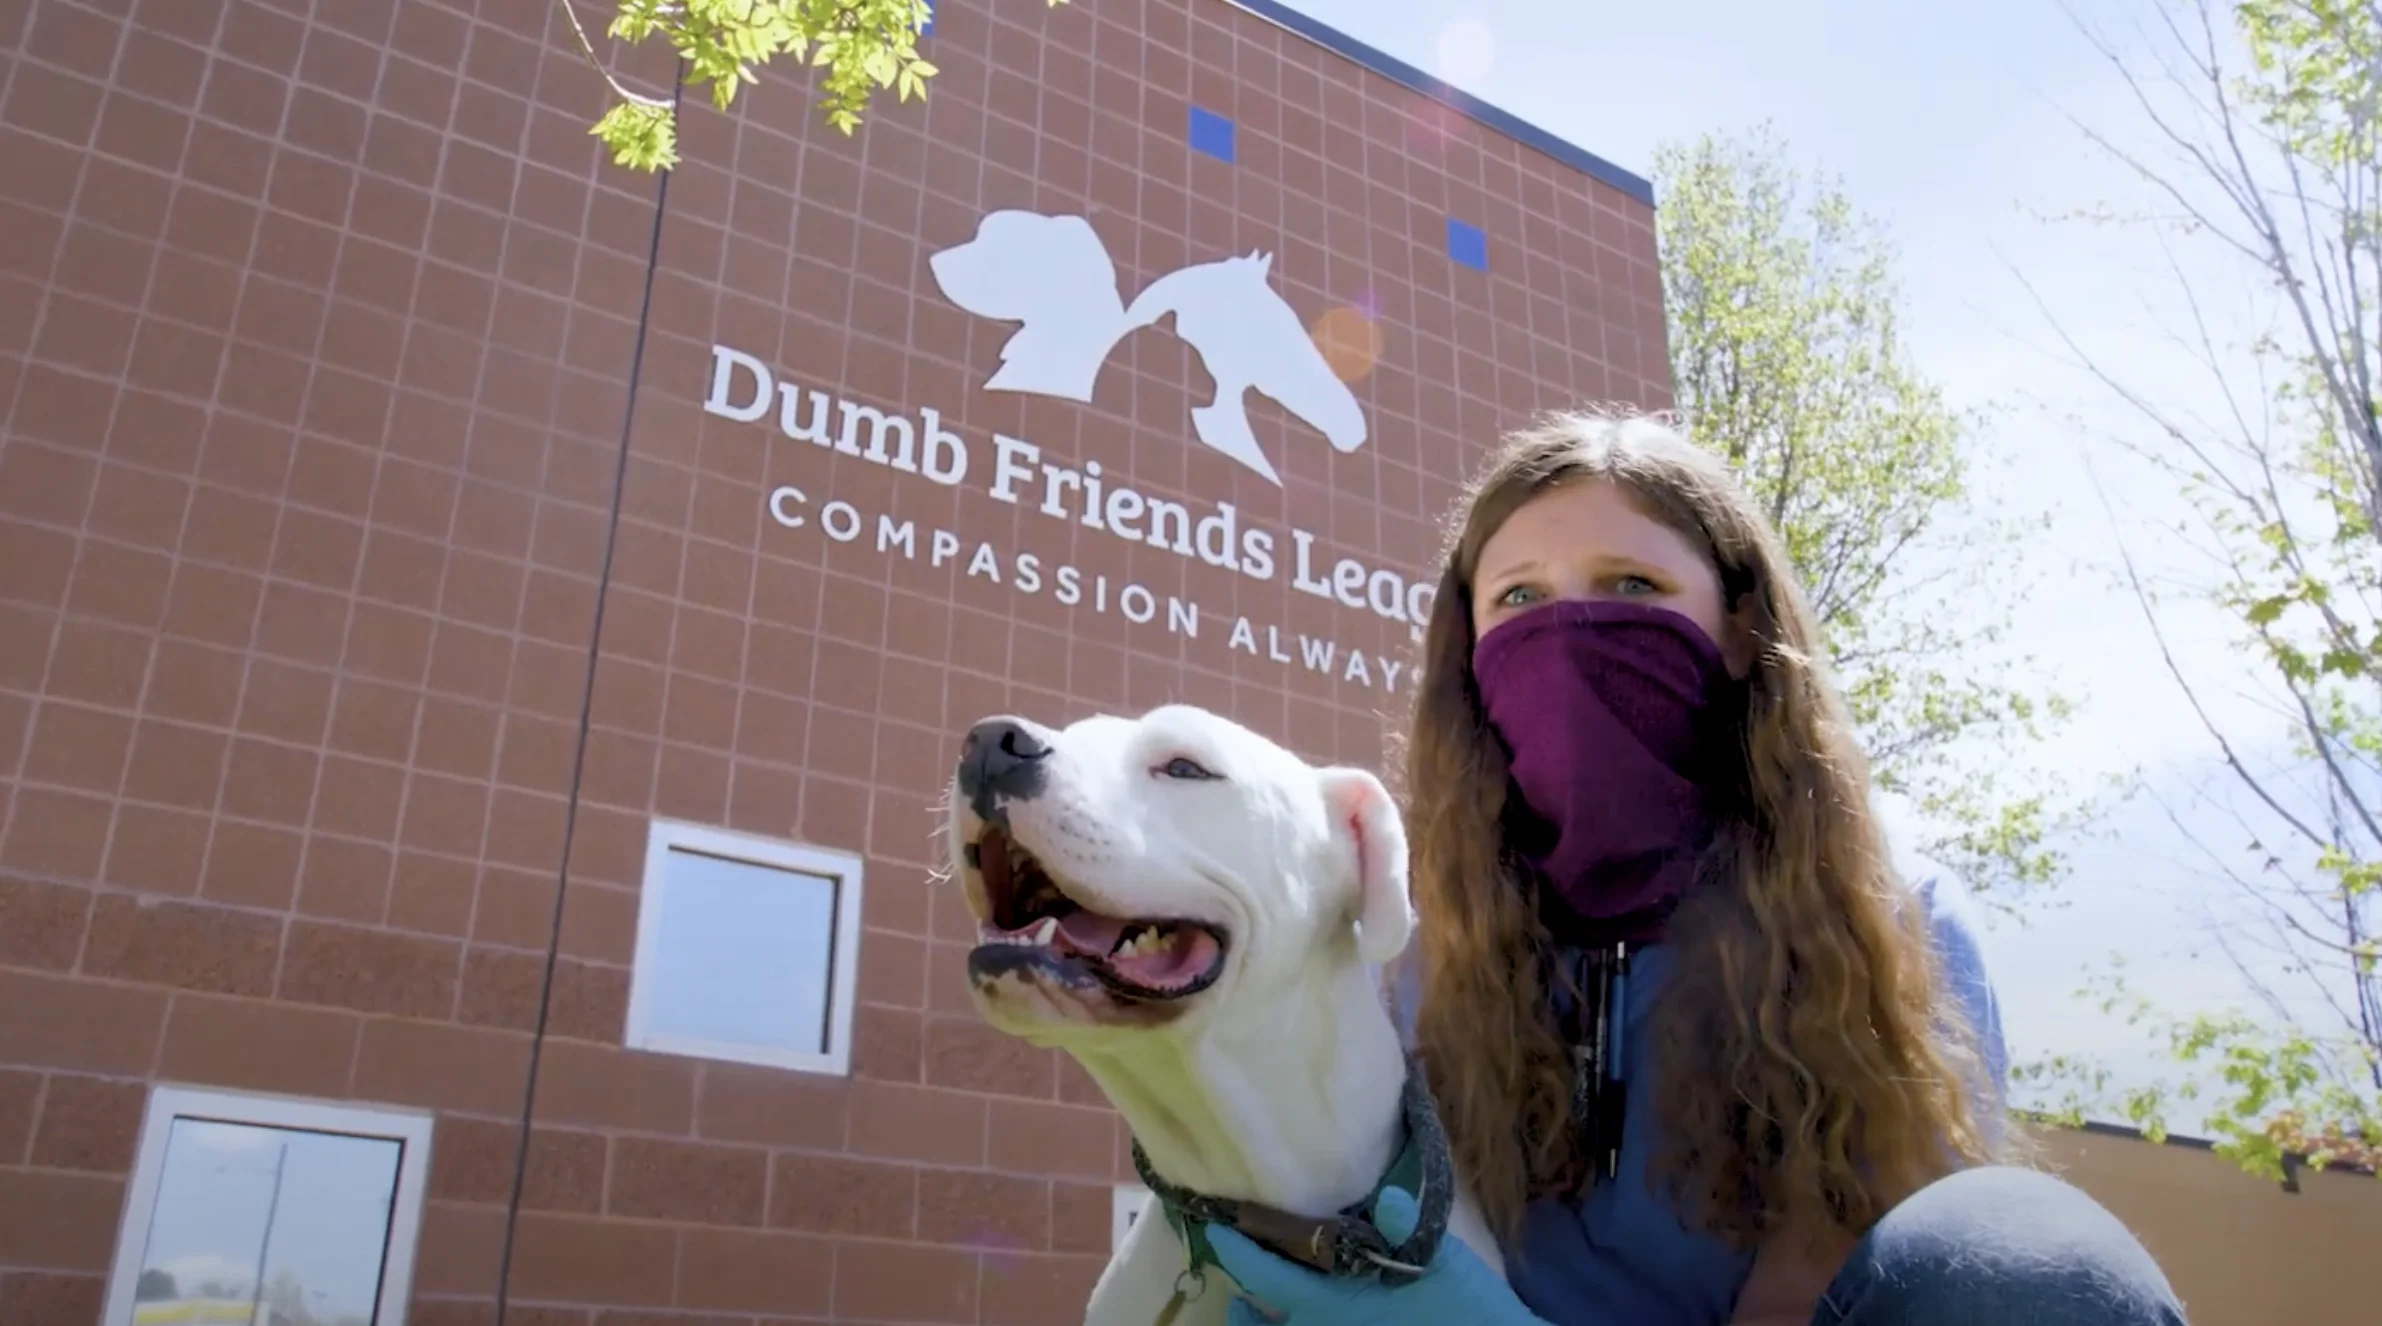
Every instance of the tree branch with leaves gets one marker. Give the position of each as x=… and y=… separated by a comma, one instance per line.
x=2272, y=163
x=1788, y=360
x=861, y=46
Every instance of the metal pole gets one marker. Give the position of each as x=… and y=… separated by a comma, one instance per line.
x=264, y=1245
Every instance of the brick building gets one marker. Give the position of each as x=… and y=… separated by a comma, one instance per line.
x=482, y=632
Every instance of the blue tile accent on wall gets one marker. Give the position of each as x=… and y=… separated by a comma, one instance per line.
x=1211, y=133
x=1407, y=76
x=927, y=29
x=1467, y=245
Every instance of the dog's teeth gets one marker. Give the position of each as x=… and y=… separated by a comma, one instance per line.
x=1043, y=933
x=1140, y=939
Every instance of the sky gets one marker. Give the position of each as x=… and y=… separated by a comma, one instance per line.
x=325, y=1197
x=1956, y=128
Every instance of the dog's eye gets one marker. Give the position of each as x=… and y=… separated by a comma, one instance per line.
x=1187, y=769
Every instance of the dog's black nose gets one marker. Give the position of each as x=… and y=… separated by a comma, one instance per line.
x=1002, y=758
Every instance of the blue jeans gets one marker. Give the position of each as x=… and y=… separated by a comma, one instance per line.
x=1998, y=1247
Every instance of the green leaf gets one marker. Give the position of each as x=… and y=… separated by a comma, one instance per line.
x=858, y=45
x=1789, y=361
x=641, y=137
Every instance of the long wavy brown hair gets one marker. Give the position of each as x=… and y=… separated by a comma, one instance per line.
x=1810, y=1070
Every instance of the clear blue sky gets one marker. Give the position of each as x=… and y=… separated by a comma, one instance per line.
x=1951, y=126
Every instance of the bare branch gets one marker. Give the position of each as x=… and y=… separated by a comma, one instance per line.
x=2225, y=746
x=596, y=62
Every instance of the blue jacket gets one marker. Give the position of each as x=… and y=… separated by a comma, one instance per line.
x=1624, y=1256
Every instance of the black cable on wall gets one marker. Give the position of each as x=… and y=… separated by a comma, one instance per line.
x=595, y=639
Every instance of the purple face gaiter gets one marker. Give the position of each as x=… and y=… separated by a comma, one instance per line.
x=1605, y=710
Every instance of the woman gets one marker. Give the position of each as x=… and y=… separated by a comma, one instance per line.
x=1635, y=804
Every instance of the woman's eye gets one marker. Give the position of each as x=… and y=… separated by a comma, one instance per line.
x=1635, y=586
x=1518, y=596
x=1185, y=769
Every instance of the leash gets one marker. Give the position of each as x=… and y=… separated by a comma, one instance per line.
x=1346, y=1244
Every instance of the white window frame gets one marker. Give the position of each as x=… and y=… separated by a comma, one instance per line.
x=410, y=1129
x=843, y=962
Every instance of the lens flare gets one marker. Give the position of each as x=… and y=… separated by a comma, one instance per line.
x=1467, y=51
x=1430, y=125
x=1350, y=340
x=1003, y=1252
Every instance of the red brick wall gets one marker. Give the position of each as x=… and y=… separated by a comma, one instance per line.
x=315, y=326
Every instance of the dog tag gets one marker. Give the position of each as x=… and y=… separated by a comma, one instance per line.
x=1183, y=1292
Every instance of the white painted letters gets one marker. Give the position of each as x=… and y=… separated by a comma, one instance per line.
x=743, y=389
x=724, y=363
x=945, y=457
x=880, y=425
x=782, y=502
x=1012, y=461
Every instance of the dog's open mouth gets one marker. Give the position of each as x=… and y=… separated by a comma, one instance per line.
x=1034, y=924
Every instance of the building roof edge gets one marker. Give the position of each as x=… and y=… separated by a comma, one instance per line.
x=1456, y=99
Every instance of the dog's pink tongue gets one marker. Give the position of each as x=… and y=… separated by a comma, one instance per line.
x=1189, y=950
x=1090, y=932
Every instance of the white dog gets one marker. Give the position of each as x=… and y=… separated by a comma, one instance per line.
x=1197, y=916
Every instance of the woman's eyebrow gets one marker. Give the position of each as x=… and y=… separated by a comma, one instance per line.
x=1631, y=562
x=1507, y=570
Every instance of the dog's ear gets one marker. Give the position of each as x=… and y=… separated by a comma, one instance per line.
x=1361, y=808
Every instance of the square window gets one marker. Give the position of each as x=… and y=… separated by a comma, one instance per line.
x=266, y=1210
x=1467, y=245
x=747, y=949
x=1211, y=133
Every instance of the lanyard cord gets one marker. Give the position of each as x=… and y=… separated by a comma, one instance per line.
x=1600, y=1088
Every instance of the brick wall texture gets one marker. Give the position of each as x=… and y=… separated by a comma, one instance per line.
x=316, y=328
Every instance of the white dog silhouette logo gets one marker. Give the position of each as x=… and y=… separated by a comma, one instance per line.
x=1053, y=277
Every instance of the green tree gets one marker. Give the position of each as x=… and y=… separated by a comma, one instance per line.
x=1787, y=358
x=862, y=46
x=2264, y=153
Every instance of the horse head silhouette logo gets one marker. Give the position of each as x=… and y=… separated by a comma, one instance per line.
x=1053, y=277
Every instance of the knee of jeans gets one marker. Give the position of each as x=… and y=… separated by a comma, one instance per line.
x=1999, y=1244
